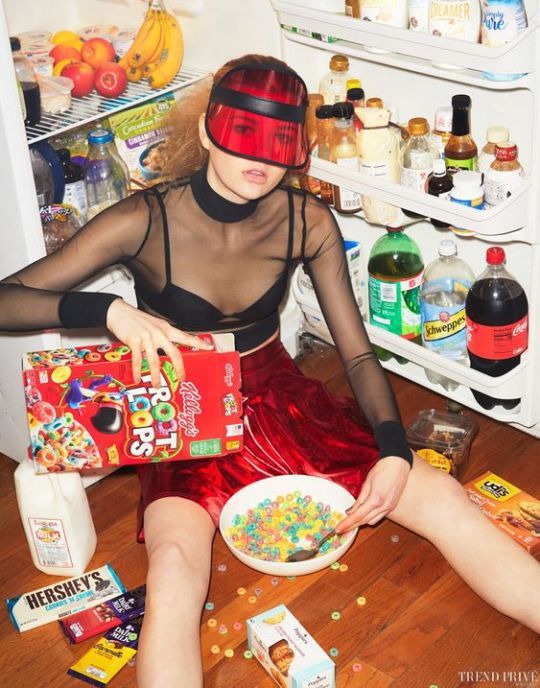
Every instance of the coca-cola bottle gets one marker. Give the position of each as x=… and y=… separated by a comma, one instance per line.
x=497, y=324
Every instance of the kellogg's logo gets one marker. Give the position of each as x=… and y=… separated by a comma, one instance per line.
x=229, y=375
x=192, y=407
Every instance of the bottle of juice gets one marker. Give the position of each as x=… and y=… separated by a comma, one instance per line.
x=325, y=126
x=333, y=85
x=494, y=135
x=395, y=270
x=344, y=153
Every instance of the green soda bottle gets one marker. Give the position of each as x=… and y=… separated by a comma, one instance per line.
x=395, y=270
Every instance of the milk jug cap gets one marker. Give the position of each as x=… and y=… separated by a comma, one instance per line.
x=339, y=63
x=443, y=119
x=447, y=247
x=497, y=134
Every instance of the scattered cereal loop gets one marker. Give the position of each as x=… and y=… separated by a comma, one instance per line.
x=215, y=649
x=229, y=652
x=356, y=667
x=209, y=606
x=223, y=629
x=258, y=591
x=343, y=568
x=222, y=567
x=248, y=654
x=336, y=616
x=275, y=581
x=360, y=601
x=394, y=538
x=252, y=599
x=212, y=623
x=334, y=652
x=335, y=565
x=241, y=591
x=237, y=626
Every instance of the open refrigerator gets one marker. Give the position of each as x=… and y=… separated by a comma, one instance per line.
x=215, y=31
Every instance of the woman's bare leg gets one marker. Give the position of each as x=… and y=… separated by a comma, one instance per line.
x=436, y=506
x=178, y=534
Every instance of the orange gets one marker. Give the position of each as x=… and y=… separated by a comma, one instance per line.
x=59, y=66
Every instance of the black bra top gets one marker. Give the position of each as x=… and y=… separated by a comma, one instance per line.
x=189, y=311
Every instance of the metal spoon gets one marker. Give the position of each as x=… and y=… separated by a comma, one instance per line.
x=305, y=554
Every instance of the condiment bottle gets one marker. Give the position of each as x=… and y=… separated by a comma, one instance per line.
x=356, y=97
x=460, y=152
x=74, y=190
x=494, y=135
x=467, y=189
x=442, y=129
x=314, y=101
x=333, y=85
x=417, y=157
x=439, y=184
x=344, y=153
x=325, y=126
x=29, y=86
x=505, y=174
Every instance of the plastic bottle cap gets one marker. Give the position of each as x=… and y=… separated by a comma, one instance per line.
x=100, y=136
x=439, y=167
x=495, y=255
x=15, y=43
x=355, y=94
x=497, y=134
x=418, y=126
x=339, y=63
x=506, y=151
x=64, y=154
x=461, y=101
x=467, y=178
x=399, y=228
x=374, y=103
x=324, y=112
x=353, y=83
x=343, y=110
x=447, y=247
x=443, y=119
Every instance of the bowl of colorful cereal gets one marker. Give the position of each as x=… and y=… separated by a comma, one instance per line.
x=266, y=521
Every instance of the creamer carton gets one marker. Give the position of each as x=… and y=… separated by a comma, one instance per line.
x=85, y=411
x=288, y=652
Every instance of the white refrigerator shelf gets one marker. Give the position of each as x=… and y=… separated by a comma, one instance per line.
x=94, y=106
x=512, y=385
x=516, y=57
x=508, y=217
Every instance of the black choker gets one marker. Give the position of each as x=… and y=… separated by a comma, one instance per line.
x=214, y=205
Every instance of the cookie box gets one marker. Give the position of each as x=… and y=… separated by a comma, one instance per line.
x=85, y=412
x=509, y=508
x=288, y=652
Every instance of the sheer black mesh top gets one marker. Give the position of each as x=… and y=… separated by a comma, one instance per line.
x=207, y=264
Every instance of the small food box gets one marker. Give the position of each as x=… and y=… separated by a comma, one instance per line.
x=509, y=508
x=288, y=652
x=85, y=412
x=443, y=438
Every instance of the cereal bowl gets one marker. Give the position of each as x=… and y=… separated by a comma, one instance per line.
x=318, y=490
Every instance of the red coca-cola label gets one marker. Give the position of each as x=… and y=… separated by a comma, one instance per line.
x=500, y=342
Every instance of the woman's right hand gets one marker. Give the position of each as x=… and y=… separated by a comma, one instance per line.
x=145, y=334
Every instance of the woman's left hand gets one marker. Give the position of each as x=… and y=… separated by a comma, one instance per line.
x=380, y=493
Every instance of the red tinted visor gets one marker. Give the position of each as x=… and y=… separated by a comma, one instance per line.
x=259, y=114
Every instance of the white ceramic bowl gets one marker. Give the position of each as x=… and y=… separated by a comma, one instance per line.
x=320, y=489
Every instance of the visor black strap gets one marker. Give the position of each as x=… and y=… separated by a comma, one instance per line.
x=259, y=106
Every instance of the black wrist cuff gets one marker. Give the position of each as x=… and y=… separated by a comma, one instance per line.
x=392, y=441
x=85, y=308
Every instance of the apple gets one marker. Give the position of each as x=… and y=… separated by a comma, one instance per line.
x=111, y=80
x=96, y=51
x=82, y=76
x=64, y=51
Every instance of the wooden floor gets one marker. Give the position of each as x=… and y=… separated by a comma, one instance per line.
x=421, y=626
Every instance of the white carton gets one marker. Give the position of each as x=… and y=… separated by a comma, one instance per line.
x=288, y=652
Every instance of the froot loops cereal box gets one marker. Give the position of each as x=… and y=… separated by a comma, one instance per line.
x=85, y=412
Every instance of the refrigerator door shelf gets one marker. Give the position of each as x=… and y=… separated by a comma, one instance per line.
x=517, y=57
x=510, y=217
x=509, y=386
x=94, y=106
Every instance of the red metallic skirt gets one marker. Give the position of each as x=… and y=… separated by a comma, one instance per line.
x=292, y=424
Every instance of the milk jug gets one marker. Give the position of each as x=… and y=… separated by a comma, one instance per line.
x=57, y=521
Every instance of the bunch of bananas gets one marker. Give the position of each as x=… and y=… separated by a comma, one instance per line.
x=157, y=50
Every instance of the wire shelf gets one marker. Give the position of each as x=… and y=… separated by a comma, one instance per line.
x=94, y=106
